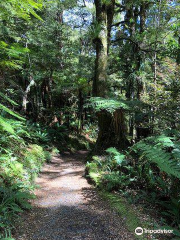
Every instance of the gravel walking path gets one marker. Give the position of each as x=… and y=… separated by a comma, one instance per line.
x=68, y=208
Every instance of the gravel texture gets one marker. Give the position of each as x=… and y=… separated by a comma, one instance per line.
x=68, y=208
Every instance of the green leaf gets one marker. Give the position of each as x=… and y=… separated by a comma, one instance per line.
x=7, y=110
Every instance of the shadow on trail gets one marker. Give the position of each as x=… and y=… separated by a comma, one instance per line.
x=53, y=175
x=67, y=207
x=67, y=223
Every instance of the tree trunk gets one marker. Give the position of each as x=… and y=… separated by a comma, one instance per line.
x=112, y=130
x=111, y=127
x=80, y=111
x=100, y=80
x=25, y=96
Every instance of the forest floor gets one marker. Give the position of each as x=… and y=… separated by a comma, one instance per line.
x=67, y=207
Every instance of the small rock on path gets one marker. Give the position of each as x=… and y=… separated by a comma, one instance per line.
x=68, y=208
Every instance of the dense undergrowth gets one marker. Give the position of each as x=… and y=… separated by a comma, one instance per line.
x=22, y=154
x=147, y=174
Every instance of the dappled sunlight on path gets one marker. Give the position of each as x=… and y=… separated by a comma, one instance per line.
x=62, y=185
x=67, y=207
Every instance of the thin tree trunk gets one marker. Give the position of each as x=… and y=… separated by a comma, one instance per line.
x=80, y=112
x=25, y=96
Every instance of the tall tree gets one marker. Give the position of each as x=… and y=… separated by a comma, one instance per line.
x=112, y=128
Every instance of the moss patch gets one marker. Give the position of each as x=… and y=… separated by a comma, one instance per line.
x=125, y=210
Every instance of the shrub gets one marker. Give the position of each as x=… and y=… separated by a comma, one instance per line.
x=34, y=157
x=110, y=181
x=48, y=156
x=152, y=165
x=19, y=165
x=111, y=171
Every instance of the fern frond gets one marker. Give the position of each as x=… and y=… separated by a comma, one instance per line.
x=154, y=150
x=7, y=110
x=109, y=105
x=3, y=96
x=5, y=126
x=116, y=155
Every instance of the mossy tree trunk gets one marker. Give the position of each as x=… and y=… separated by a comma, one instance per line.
x=101, y=41
x=112, y=130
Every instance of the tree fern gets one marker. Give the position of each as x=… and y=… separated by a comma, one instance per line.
x=109, y=105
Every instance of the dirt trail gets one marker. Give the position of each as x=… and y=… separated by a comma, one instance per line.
x=68, y=208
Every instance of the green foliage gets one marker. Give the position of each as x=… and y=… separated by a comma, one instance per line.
x=155, y=150
x=91, y=131
x=111, y=181
x=48, y=156
x=109, y=105
x=13, y=201
x=94, y=172
x=158, y=168
x=151, y=165
x=22, y=9
x=94, y=30
x=13, y=54
x=112, y=171
x=6, y=126
x=19, y=165
x=4, y=97
x=115, y=157
x=20, y=162
x=33, y=159
x=10, y=112
x=172, y=208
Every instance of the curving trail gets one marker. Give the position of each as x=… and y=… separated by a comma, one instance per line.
x=68, y=208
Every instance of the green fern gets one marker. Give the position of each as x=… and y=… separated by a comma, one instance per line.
x=154, y=149
x=3, y=96
x=22, y=9
x=5, y=126
x=109, y=105
x=116, y=156
x=7, y=110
